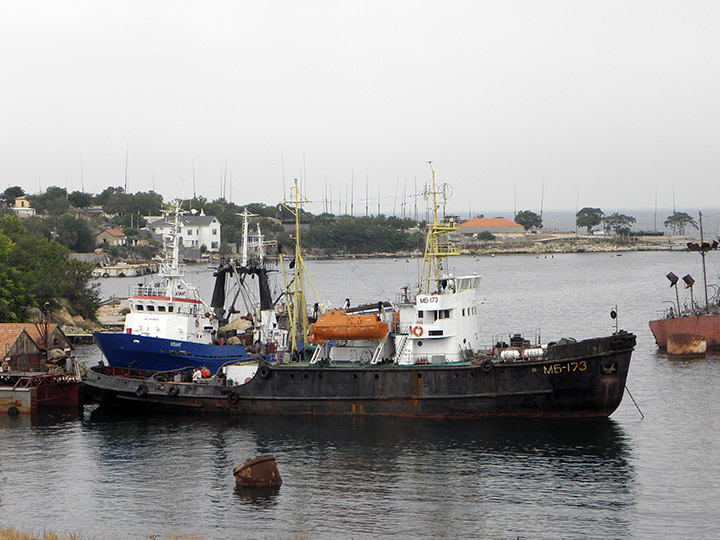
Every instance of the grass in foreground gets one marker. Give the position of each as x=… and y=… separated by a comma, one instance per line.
x=14, y=534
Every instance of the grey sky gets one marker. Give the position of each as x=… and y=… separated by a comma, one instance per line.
x=611, y=99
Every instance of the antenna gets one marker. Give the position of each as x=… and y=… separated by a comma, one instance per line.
x=224, y=180
x=577, y=204
x=127, y=155
x=416, y=198
x=282, y=170
x=366, y=193
x=673, y=186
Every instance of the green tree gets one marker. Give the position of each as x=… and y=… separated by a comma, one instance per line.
x=486, y=236
x=620, y=223
x=678, y=221
x=528, y=219
x=589, y=218
x=79, y=199
x=12, y=193
x=102, y=198
x=14, y=298
x=75, y=234
x=35, y=270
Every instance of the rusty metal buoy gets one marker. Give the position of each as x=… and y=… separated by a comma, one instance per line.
x=686, y=345
x=260, y=471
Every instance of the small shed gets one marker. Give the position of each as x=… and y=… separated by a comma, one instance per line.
x=20, y=353
x=25, y=345
x=112, y=237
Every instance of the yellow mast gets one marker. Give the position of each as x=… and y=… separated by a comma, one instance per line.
x=296, y=293
x=438, y=246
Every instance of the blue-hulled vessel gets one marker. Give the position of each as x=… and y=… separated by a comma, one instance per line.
x=169, y=326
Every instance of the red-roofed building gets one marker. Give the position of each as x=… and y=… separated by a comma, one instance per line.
x=497, y=226
x=112, y=237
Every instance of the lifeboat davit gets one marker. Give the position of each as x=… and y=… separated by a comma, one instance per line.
x=337, y=324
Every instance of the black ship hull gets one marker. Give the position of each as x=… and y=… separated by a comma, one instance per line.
x=586, y=378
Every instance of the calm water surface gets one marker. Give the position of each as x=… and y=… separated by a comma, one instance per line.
x=102, y=474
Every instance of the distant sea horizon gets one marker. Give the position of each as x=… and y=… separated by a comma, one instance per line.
x=647, y=220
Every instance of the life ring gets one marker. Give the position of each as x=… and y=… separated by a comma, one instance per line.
x=434, y=293
x=141, y=390
x=487, y=365
x=263, y=373
x=280, y=308
x=207, y=314
x=418, y=331
x=173, y=391
x=233, y=398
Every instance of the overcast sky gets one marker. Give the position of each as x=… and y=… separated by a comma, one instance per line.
x=605, y=102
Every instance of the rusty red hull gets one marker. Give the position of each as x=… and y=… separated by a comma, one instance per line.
x=30, y=394
x=261, y=472
x=707, y=326
x=576, y=379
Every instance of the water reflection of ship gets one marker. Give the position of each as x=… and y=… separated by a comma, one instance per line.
x=484, y=465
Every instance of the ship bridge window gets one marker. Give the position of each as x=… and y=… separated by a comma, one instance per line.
x=420, y=315
x=171, y=308
x=139, y=307
x=161, y=308
x=151, y=308
x=443, y=314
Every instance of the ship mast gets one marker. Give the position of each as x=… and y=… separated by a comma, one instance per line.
x=295, y=292
x=438, y=246
x=245, y=215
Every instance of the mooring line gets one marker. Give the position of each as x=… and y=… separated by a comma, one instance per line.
x=635, y=402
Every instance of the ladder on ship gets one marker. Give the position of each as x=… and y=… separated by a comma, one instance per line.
x=401, y=347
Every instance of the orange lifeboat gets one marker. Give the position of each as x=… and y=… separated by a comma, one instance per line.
x=337, y=324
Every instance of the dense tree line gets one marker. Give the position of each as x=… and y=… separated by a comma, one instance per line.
x=35, y=271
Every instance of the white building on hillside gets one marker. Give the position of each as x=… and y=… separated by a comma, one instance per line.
x=195, y=231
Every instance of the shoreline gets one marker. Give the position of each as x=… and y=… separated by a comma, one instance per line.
x=537, y=247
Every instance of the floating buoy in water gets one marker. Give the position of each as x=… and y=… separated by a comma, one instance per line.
x=686, y=345
x=260, y=471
